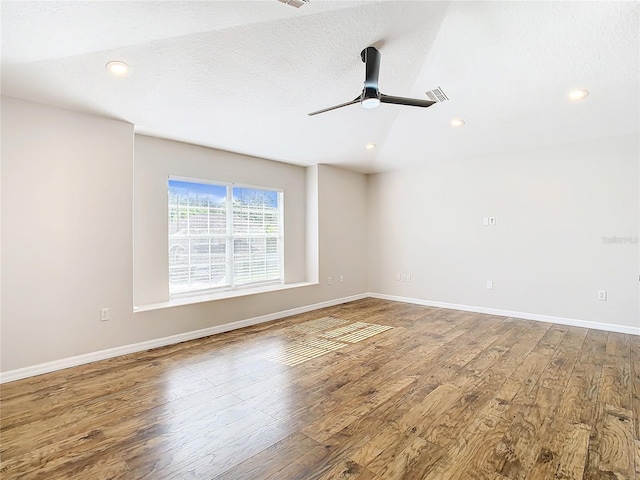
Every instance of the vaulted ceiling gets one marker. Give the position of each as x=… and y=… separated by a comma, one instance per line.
x=242, y=75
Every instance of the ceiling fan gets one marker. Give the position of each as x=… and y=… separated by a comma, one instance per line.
x=371, y=96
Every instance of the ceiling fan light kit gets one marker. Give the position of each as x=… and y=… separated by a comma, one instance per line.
x=371, y=96
x=372, y=102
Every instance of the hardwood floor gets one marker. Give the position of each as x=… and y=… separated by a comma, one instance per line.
x=442, y=394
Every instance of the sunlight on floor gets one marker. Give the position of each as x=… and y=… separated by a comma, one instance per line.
x=315, y=341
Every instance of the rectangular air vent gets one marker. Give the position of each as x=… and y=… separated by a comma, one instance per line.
x=437, y=95
x=295, y=3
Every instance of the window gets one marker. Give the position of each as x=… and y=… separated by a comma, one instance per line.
x=223, y=237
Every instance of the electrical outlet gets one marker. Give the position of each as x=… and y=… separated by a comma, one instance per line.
x=329, y=281
x=602, y=295
x=341, y=279
x=408, y=277
x=492, y=221
x=104, y=314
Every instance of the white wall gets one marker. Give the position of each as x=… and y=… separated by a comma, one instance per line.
x=545, y=255
x=67, y=241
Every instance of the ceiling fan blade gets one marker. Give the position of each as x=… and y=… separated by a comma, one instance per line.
x=371, y=57
x=412, y=102
x=355, y=100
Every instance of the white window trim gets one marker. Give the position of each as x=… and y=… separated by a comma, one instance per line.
x=233, y=290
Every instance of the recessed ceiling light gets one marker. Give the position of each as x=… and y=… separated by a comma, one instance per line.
x=118, y=68
x=578, y=94
x=457, y=122
x=370, y=146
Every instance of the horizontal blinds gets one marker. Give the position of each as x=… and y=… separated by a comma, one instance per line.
x=223, y=237
x=256, y=260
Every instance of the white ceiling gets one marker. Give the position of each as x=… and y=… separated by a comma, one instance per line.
x=242, y=75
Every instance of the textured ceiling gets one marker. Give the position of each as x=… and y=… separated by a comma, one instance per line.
x=242, y=76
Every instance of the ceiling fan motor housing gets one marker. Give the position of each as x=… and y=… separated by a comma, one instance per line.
x=369, y=92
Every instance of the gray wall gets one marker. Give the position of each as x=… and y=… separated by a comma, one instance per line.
x=156, y=159
x=67, y=248
x=68, y=224
x=546, y=253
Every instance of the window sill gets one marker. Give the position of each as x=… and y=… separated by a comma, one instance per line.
x=210, y=297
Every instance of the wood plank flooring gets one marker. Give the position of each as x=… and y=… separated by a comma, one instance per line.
x=442, y=394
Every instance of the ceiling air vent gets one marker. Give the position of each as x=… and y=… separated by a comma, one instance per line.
x=437, y=95
x=295, y=3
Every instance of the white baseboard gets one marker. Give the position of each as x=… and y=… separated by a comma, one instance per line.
x=610, y=327
x=61, y=364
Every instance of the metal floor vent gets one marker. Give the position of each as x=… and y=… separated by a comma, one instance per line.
x=437, y=95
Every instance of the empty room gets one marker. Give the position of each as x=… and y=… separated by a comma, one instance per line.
x=318, y=239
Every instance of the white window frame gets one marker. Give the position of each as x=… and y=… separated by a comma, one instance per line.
x=230, y=237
